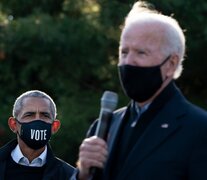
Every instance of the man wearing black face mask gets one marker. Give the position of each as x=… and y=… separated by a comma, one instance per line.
x=30, y=156
x=160, y=135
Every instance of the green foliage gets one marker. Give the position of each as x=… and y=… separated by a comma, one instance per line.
x=69, y=49
x=22, y=8
x=77, y=110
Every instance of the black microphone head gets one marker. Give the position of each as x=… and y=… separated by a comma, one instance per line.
x=109, y=101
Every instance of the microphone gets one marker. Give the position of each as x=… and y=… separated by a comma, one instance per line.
x=109, y=102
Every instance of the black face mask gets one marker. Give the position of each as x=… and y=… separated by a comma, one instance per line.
x=35, y=134
x=141, y=83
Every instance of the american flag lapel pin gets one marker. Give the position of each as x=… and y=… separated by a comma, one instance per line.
x=165, y=125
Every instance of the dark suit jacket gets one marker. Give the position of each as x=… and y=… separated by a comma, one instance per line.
x=173, y=146
x=56, y=169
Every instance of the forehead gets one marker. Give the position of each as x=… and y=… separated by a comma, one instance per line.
x=143, y=34
x=36, y=104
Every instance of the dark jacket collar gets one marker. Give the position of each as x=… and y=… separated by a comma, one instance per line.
x=6, y=150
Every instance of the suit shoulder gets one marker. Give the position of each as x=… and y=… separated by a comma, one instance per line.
x=197, y=111
x=196, y=117
x=69, y=169
x=120, y=111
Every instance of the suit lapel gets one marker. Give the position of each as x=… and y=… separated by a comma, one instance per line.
x=113, y=137
x=114, y=129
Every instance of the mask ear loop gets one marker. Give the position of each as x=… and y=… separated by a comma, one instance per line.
x=168, y=57
x=18, y=121
x=165, y=60
x=19, y=134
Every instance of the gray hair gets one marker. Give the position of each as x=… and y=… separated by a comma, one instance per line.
x=173, y=34
x=18, y=105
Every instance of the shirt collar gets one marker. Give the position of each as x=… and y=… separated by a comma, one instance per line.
x=140, y=110
x=19, y=158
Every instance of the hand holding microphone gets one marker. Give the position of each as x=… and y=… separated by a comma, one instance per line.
x=93, y=151
x=108, y=105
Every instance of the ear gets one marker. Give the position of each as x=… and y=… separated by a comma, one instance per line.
x=12, y=124
x=55, y=126
x=172, y=65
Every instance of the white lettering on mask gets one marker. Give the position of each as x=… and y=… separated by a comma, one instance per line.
x=38, y=134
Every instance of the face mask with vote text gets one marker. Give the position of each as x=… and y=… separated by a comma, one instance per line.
x=35, y=134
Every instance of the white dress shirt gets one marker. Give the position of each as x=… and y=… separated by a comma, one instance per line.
x=139, y=110
x=19, y=158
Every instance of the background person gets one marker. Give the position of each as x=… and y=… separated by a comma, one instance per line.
x=30, y=155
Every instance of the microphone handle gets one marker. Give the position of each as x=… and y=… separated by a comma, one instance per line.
x=94, y=173
x=103, y=124
x=101, y=132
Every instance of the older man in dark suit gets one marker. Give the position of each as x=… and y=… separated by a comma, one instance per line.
x=160, y=135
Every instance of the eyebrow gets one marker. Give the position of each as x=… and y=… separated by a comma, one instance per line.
x=34, y=112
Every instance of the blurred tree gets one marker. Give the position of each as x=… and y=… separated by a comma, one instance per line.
x=23, y=8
